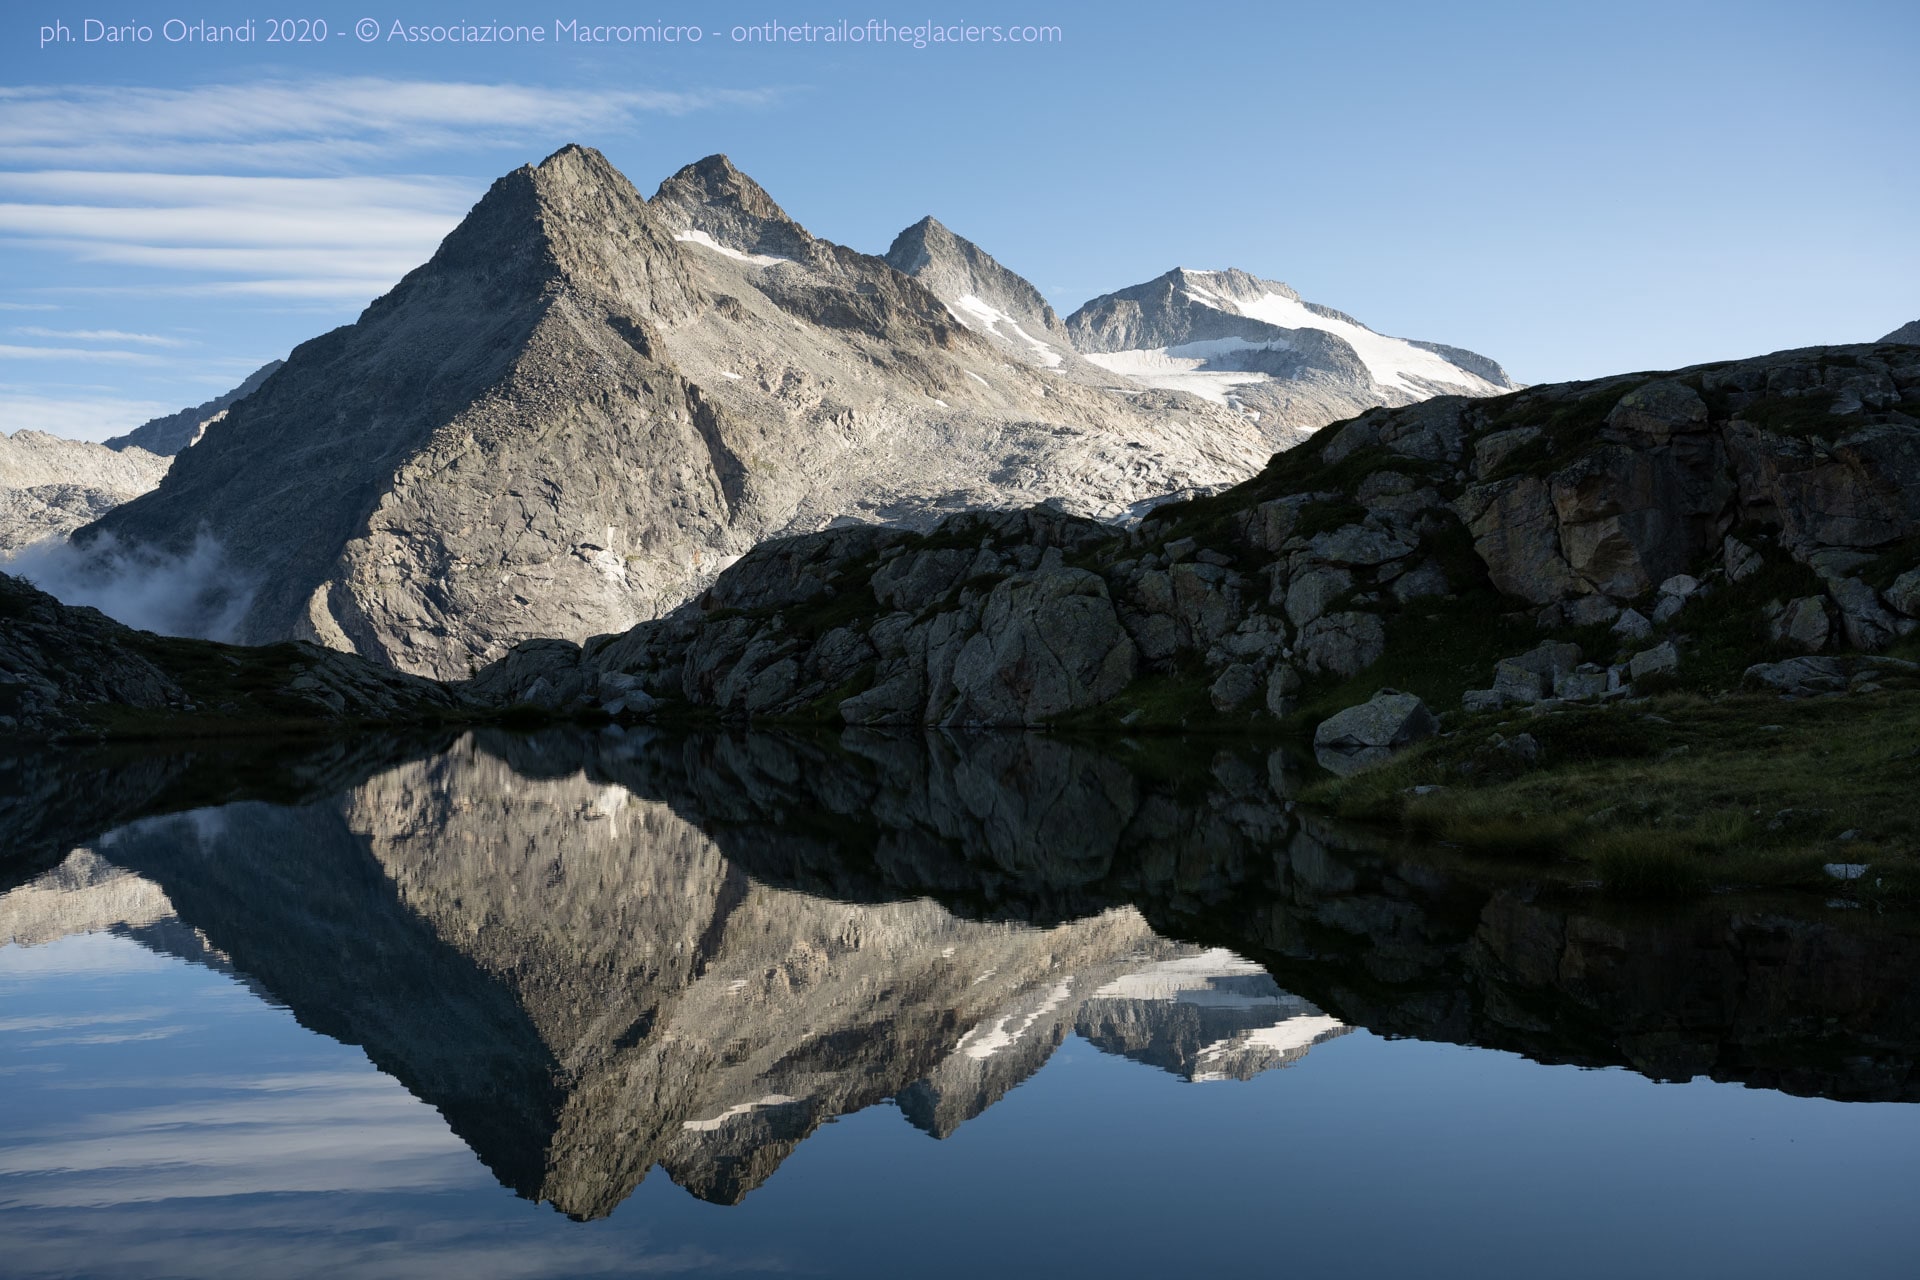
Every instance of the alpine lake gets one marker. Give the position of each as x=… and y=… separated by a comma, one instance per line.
x=604, y=1003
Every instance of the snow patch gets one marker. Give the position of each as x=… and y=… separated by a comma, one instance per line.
x=708, y=1126
x=1392, y=362
x=989, y=319
x=706, y=241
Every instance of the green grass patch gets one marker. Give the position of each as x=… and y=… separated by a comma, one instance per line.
x=1679, y=795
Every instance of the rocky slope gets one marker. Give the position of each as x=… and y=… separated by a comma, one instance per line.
x=586, y=403
x=1632, y=531
x=1908, y=332
x=51, y=486
x=69, y=671
x=177, y=432
x=1254, y=345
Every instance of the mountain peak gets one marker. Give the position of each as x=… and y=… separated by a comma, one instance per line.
x=713, y=197
x=983, y=294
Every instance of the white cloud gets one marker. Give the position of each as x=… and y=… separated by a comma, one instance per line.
x=77, y=417
x=314, y=124
x=9, y=351
x=99, y=335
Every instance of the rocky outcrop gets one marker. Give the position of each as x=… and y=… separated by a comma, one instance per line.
x=176, y=432
x=1771, y=500
x=588, y=403
x=50, y=486
x=67, y=671
x=1908, y=333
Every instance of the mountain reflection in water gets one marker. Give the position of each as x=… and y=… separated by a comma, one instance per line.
x=594, y=954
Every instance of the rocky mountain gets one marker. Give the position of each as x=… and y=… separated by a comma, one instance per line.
x=1690, y=526
x=178, y=431
x=1908, y=332
x=586, y=403
x=983, y=295
x=50, y=486
x=1254, y=345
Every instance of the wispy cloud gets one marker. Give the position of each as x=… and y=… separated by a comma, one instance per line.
x=315, y=125
x=349, y=238
x=89, y=354
x=78, y=416
x=99, y=335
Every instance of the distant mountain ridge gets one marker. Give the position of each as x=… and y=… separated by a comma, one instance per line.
x=1908, y=332
x=176, y=431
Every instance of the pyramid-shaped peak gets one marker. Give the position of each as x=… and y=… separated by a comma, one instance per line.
x=713, y=197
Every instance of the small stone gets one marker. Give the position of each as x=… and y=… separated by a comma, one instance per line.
x=1846, y=870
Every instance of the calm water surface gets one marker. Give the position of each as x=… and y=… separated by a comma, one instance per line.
x=619, y=1005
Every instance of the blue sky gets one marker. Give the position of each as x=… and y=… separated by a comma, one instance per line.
x=1571, y=189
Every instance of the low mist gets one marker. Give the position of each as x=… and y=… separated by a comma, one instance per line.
x=198, y=593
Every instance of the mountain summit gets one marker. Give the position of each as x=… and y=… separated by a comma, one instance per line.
x=1255, y=344
x=982, y=294
x=586, y=403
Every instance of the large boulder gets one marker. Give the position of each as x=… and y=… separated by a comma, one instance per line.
x=1342, y=644
x=1049, y=643
x=1351, y=740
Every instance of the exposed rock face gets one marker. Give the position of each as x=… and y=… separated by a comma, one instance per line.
x=585, y=404
x=67, y=670
x=1254, y=344
x=1564, y=506
x=51, y=486
x=179, y=431
x=1908, y=332
x=983, y=295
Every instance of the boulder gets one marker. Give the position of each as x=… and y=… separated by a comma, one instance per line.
x=1659, y=411
x=1904, y=594
x=1740, y=560
x=1802, y=624
x=1632, y=625
x=1049, y=643
x=1309, y=593
x=1368, y=733
x=1283, y=683
x=1661, y=660
x=1235, y=685
x=1799, y=677
x=1342, y=644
